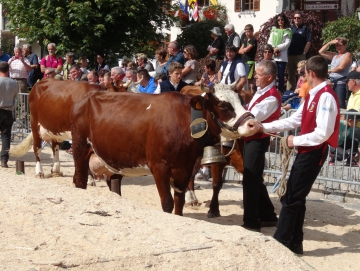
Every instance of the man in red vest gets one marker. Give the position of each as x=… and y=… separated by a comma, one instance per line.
x=319, y=118
x=265, y=106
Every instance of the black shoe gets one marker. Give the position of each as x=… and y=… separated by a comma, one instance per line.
x=251, y=229
x=268, y=223
x=4, y=164
x=296, y=248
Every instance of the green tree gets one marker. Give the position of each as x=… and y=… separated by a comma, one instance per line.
x=113, y=27
x=347, y=27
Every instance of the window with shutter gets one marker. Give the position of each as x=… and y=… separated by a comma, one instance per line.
x=243, y=5
x=237, y=5
x=256, y=5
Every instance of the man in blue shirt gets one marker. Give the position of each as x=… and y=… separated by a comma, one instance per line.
x=175, y=56
x=4, y=57
x=147, y=83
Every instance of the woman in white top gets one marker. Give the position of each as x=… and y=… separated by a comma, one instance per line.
x=280, y=38
x=190, y=71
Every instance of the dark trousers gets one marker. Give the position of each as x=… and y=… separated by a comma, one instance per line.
x=340, y=90
x=257, y=204
x=6, y=122
x=341, y=153
x=281, y=75
x=302, y=176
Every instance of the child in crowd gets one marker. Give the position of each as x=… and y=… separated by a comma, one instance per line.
x=346, y=142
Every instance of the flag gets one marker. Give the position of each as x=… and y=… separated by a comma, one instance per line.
x=214, y=2
x=186, y=7
x=181, y=6
x=196, y=12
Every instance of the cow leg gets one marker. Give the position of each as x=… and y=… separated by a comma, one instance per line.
x=190, y=197
x=162, y=180
x=39, y=173
x=217, y=183
x=179, y=199
x=81, y=154
x=55, y=170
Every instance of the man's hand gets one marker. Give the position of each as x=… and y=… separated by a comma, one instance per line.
x=290, y=141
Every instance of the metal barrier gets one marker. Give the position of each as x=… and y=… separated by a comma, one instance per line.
x=21, y=126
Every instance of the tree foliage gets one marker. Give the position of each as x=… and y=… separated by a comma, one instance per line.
x=309, y=18
x=89, y=26
x=347, y=27
x=198, y=35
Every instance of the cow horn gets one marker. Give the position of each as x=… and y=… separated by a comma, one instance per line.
x=232, y=86
x=127, y=84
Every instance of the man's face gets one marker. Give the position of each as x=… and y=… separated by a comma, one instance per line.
x=175, y=76
x=25, y=51
x=114, y=77
x=50, y=73
x=170, y=48
x=297, y=19
x=131, y=77
x=308, y=77
x=262, y=80
x=249, y=33
x=51, y=50
x=18, y=53
x=74, y=73
x=69, y=59
x=91, y=78
x=228, y=32
x=351, y=83
x=230, y=54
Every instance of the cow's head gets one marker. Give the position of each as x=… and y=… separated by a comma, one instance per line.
x=226, y=107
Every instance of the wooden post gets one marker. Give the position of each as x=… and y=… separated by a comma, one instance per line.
x=20, y=167
x=115, y=186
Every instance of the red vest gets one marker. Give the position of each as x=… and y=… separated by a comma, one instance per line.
x=274, y=116
x=308, y=120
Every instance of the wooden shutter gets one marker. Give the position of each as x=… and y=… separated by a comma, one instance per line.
x=237, y=6
x=256, y=5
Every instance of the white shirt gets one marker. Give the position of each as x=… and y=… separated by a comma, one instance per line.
x=239, y=72
x=17, y=68
x=326, y=113
x=266, y=107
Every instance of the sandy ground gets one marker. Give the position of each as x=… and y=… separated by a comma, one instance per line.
x=49, y=225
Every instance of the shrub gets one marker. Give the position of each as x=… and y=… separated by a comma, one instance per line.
x=311, y=20
x=198, y=35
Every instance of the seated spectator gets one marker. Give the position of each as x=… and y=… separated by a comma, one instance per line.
x=346, y=143
x=100, y=58
x=76, y=74
x=160, y=56
x=107, y=79
x=191, y=68
x=209, y=77
x=50, y=72
x=174, y=83
x=131, y=75
x=83, y=62
x=147, y=83
x=143, y=63
x=101, y=74
x=132, y=65
x=117, y=75
x=93, y=77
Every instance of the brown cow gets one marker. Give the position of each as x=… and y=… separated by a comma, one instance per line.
x=151, y=135
x=50, y=102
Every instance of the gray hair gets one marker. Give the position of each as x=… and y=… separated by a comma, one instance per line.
x=269, y=67
x=51, y=44
x=118, y=70
x=17, y=47
x=50, y=70
x=229, y=27
x=143, y=57
x=133, y=72
x=27, y=46
x=357, y=81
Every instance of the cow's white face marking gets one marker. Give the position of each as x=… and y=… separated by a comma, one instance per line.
x=148, y=107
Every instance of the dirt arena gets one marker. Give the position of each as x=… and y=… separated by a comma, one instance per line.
x=49, y=225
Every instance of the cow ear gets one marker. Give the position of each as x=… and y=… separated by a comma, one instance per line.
x=197, y=102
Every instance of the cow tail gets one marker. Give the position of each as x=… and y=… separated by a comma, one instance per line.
x=22, y=148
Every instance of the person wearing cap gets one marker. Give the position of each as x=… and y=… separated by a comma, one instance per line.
x=319, y=118
x=353, y=84
x=233, y=37
x=216, y=49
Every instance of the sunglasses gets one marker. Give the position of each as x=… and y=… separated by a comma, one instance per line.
x=297, y=18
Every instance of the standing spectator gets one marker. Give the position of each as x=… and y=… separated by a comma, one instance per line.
x=174, y=83
x=147, y=83
x=353, y=83
x=233, y=37
x=100, y=58
x=8, y=94
x=248, y=51
x=143, y=63
x=131, y=75
x=280, y=38
x=19, y=67
x=216, y=49
x=3, y=56
x=69, y=61
x=160, y=55
x=340, y=66
x=191, y=68
x=265, y=106
x=117, y=75
x=51, y=60
x=83, y=62
x=175, y=56
x=299, y=46
x=232, y=69
x=76, y=74
x=93, y=77
x=34, y=73
x=319, y=119
x=209, y=77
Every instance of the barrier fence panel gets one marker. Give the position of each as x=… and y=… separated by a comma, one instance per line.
x=21, y=126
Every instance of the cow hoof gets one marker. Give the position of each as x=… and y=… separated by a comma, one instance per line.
x=57, y=174
x=91, y=183
x=188, y=204
x=40, y=176
x=213, y=215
